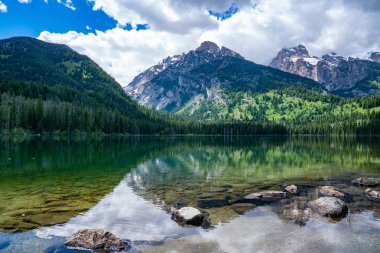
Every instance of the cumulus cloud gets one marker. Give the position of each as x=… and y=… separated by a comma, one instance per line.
x=124, y=54
x=3, y=7
x=257, y=31
x=172, y=16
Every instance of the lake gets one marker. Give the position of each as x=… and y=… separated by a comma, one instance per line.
x=51, y=187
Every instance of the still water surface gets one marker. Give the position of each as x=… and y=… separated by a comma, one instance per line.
x=50, y=188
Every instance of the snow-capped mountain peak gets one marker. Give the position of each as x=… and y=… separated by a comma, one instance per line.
x=205, y=53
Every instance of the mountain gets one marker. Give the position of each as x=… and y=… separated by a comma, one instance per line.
x=215, y=84
x=204, y=73
x=50, y=87
x=165, y=86
x=349, y=77
x=61, y=73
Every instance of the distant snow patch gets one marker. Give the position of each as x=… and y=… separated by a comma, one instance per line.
x=311, y=60
x=294, y=59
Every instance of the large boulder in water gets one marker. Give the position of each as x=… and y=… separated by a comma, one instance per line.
x=367, y=181
x=331, y=191
x=372, y=194
x=329, y=207
x=96, y=240
x=190, y=216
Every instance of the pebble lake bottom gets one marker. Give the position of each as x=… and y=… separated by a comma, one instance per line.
x=50, y=188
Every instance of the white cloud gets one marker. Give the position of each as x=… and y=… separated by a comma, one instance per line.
x=347, y=27
x=122, y=53
x=175, y=16
x=25, y=1
x=68, y=3
x=3, y=7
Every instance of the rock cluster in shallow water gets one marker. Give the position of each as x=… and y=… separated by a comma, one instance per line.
x=295, y=203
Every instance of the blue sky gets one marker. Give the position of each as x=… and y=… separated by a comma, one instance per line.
x=37, y=16
x=30, y=19
x=226, y=14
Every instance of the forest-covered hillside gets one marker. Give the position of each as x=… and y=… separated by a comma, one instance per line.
x=50, y=87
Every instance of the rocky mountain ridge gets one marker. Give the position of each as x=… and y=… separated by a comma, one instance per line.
x=206, y=72
x=176, y=69
x=344, y=76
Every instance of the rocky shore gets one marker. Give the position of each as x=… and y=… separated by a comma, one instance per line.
x=294, y=203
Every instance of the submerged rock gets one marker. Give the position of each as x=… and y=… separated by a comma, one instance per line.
x=212, y=203
x=329, y=207
x=331, y=191
x=190, y=216
x=302, y=218
x=241, y=208
x=263, y=198
x=298, y=216
x=367, y=181
x=96, y=240
x=291, y=189
x=372, y=194
x=267, y=195
x=296, y=210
